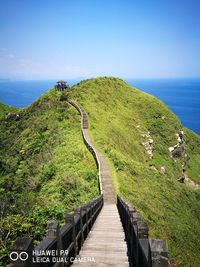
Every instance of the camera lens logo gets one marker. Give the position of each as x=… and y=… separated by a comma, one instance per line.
x=14, y=256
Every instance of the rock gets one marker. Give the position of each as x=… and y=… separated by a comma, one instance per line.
x=163, y=117
x=191, y=183
x=153, y=168
x=186, y=157
x=150, y=154
x=181, y=179
x=184, y=163
x=178, y=152
x=163, y=170
x=147, y=143
x=12, y=117
x=179, y=140
x=171, y=148
x=138, y=126
x=181, y=133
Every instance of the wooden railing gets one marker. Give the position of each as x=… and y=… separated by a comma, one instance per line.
x=84, y=126
x=142, y=252
x=62, y=243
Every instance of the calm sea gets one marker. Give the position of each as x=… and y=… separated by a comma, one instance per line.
x=181, y=96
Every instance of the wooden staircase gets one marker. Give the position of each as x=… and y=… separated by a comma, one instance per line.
x=105, y=244
x=84, y=120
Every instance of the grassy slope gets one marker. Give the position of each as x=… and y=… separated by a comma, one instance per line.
x=45, y=168
x=170, y=208
x=4, y=109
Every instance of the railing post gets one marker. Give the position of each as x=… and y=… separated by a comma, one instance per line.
x=69, y=218
x=82, y=232
x=90, y=216
x=85, y=208
x=130, y=211
x=135, y=219
x=143, y=231
x=132, y=238
x=159, y=255
x=53, y=232
x=52, y=229
x=79, y=211
x=102, y=201
x=143, y=244
x=93, y=206
x=21, y=253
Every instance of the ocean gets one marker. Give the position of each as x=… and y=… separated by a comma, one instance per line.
x=182, y=96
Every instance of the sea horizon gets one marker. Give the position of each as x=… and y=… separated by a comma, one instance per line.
x=181, y=95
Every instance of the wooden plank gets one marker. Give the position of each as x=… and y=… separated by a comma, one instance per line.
x=106, y=241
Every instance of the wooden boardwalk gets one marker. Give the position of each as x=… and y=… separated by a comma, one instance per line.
x=104, y=173
x=105, y=244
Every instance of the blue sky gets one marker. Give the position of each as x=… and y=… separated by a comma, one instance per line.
x=49, y=39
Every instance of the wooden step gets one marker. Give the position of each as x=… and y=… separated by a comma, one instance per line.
x=106, y=241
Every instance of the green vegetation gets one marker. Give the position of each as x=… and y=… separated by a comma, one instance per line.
x=5, y=110
x=45, y=169
x=119, y=118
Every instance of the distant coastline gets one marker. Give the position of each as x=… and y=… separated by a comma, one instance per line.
x=182, y=96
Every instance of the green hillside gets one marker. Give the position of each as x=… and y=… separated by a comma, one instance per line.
x=4, y=110
x=46, y=170
x=121, y=120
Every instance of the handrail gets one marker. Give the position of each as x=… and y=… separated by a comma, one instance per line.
x=65, y=242
x=142, y=251
x=88, y=144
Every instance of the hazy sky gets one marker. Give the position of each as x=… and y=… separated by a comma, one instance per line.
x=48, y=39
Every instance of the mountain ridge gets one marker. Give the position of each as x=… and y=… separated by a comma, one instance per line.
x=133, y=130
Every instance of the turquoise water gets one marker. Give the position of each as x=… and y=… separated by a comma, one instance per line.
x=181, y=96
